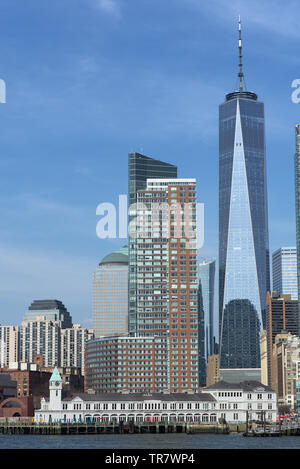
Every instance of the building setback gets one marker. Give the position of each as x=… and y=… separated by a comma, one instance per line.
x=53, y=310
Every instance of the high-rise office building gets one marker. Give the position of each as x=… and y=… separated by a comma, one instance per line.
x=243, y=226
x=297, y=203
x=140, y=168
x=281, y=314
x=166, y=294
x=110, y=294
x=52, y=310
x=284, y=271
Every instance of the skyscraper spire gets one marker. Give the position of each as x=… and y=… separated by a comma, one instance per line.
x=240, y=74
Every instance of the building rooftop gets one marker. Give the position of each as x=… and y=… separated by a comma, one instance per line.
x=118, y=396
x=243, y=386
x=39, y=305
x=116, y=257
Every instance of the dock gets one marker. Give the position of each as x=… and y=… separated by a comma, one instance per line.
x=271, y=432
x=107, y=428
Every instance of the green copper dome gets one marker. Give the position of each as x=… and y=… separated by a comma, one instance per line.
x=55, y=375
x=116, y=257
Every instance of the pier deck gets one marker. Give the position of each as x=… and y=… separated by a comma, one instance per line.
x=109, y=428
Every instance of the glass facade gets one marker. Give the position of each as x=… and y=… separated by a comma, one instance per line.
x=297, y=202
x=284, y=271
x=140, y=168
x=243, y=230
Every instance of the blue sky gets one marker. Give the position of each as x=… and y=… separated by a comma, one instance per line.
x=90, y=80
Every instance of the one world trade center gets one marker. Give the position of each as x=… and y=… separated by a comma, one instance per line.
x=243, y=226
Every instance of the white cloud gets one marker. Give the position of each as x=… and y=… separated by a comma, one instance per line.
x=110, y=7
x=279, y=17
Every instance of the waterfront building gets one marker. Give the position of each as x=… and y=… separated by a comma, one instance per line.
x=222, y=400
x=247, y=396
x=140, y=168
x=110, y=294
x=212, y=369
x=52, y=310
x=9, y=345
x=281, y=314
x=286, y=368
x=284, y=271
x=243, y=226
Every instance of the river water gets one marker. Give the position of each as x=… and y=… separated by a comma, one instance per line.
x=148, y=441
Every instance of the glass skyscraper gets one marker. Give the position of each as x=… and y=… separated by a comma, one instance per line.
x=284, y=271
x=243, y=227
x=297, y=203
x=140, y=168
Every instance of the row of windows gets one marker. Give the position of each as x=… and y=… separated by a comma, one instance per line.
x=141, y=406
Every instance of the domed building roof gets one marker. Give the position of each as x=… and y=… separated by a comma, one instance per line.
x=116, y=257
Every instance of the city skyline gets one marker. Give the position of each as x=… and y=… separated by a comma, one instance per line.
x=48, y=219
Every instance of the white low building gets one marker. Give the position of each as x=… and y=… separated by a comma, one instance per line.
x=236, y=399
x=222, y=400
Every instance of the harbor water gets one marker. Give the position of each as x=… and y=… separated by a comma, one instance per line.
x=147, y=441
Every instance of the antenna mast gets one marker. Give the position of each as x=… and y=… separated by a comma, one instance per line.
x=240, y=74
